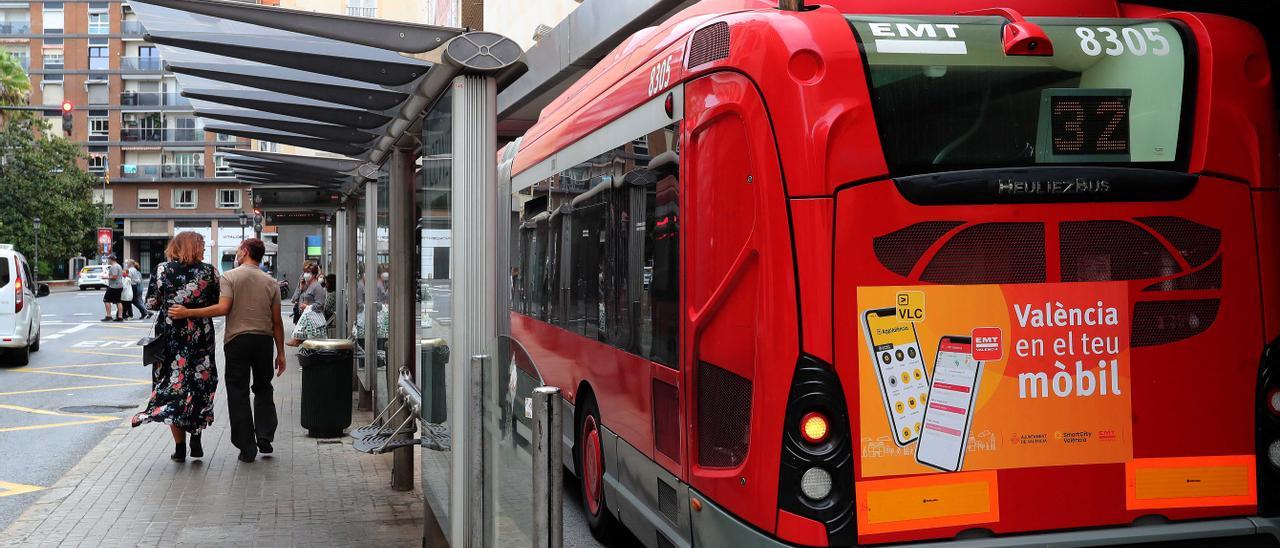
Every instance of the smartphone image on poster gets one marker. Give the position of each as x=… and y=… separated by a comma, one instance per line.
x=950, y=411
x=900, y=371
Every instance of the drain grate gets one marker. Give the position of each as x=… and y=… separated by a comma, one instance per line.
x=328, y=442
x=96, y=409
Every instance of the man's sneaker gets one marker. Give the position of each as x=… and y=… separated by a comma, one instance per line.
x=265, y=448
x=118, y=320
x=106, y=319
x=247, y=456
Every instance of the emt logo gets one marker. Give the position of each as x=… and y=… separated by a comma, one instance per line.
x=986, y=344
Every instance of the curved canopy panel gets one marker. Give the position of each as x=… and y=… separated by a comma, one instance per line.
x=344, y=85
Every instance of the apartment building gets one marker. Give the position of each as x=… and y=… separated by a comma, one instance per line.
x=160, y=171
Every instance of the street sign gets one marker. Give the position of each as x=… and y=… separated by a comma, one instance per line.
x=104, y=241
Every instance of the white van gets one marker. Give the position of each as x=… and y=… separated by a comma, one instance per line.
x=19, y=309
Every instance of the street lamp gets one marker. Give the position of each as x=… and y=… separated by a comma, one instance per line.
x=244, y=221
x=36, y=221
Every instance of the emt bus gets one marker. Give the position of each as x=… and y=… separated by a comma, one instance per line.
x=881, y=271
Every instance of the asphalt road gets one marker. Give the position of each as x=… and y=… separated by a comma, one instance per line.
x=86, y=379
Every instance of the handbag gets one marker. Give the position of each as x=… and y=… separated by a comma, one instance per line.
x=126, y=293
x=153, y=345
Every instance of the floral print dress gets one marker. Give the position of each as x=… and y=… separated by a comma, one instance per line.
x=184, y=381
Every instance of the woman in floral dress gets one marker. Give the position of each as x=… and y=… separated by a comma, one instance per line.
x=183, y=382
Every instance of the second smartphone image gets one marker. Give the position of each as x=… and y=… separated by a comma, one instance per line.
x=949, y=412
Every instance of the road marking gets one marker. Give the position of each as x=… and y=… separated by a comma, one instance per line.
x=83, y=365
x=84, y=419
x=97, y=353
x=72, y=388
x=130, y=339
x=83, y=375
x=84, y=313
x=9, y=489
x=78, y=328
x=52, y=337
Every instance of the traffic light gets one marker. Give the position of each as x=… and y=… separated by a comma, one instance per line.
x=257, y=220
x=67, y=120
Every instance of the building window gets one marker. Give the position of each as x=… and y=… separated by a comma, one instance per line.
x=99, y=57
x=53, y=23
x=99, y=22
x=55, y=77
x=362, y=8
x=184, y=198
x=148, y=198
x=99, y=128
x=97, y=164
x=97, y=197
x=220, y=167
x=53, y=58
x=229, y=198
x=268, y=146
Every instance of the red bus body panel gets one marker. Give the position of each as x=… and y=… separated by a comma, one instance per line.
x=796, y=83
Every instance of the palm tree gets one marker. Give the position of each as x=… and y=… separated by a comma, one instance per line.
x=14, y=84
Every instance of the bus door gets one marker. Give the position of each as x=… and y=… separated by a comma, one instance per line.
x=739, y=295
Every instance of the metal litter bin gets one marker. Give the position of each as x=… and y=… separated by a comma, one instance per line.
x=326, y=386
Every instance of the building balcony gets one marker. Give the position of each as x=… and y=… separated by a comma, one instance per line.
x=132, y=28
x=145, y=64
x=8, y=28
x=371, y=13
x=167, y=135
x=161, y=171
x=153, y=99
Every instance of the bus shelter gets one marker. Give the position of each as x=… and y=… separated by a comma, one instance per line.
x=402, y=119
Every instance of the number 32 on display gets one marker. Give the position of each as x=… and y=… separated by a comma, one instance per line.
x=1095, y=42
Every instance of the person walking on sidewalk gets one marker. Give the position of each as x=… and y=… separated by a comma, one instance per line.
x=115, y=288
x=250, y=300
x=134, y=278
x=185, y=378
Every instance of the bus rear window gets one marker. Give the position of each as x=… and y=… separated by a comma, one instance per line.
x=946, y=97
x=4, y=271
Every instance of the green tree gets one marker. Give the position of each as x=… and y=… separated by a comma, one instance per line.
x=39, y=177
x=14, y=84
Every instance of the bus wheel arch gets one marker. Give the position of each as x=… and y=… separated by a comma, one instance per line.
x=589, y=461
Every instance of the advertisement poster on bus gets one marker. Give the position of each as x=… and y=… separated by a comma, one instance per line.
x=985, y=377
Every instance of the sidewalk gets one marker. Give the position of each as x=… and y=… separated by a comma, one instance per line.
x=310, y=492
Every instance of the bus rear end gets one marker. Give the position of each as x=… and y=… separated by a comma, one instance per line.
x=1054, y=309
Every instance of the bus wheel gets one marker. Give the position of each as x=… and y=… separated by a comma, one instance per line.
x=591, y=475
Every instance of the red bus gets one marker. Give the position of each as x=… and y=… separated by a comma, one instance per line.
x=877, y=272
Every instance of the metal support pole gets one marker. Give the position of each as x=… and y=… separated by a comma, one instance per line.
x=349, y=278
x=325, y=265
x=473, y=451
x=371, y=292
x=340, y=267
x=400, y=346
x=548, y=497
x=475, y=286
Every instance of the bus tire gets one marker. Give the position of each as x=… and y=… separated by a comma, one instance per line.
x=600, y=519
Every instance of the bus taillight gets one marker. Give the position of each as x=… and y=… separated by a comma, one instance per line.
x=814, y=428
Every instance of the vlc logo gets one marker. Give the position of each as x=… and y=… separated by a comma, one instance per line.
x=910, y=306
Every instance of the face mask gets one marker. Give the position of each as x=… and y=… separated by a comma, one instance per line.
x=306, y=277
x=386, y=276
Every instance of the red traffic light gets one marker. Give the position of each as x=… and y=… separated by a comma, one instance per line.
x=67, y=106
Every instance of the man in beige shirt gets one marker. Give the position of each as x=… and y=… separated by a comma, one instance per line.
x=250, y=299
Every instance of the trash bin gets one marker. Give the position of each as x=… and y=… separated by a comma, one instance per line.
x=326, y=386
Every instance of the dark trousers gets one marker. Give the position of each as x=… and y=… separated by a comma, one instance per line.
x=137, y=301
x=247, y=355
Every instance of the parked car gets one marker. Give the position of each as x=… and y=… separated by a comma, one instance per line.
x=92, y=276
x=19, y=309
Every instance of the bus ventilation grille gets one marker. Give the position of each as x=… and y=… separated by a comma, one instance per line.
x=710, y=43
x=899, y=251
x=1209, y=277
x=667, y=503
x=1112, y=250
x=666, y=419
x=1197, y=243
x=991, y=253
x=664, y=542
x=724, y=417
x=1163, y=322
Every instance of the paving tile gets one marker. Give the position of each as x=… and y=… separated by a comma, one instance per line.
x=126, y=491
